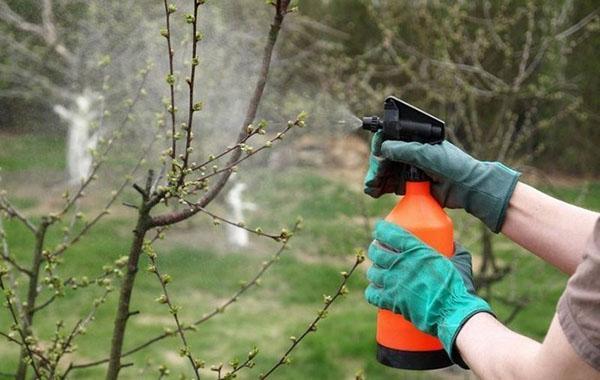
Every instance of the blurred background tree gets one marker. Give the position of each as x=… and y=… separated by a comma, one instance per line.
x=53, y=51
x=506, y=76
x=510, y=74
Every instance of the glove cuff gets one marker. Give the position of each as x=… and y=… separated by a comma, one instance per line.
x=490, y=197
x=454, y=321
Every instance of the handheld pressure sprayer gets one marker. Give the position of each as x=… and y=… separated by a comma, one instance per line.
x=399, y=343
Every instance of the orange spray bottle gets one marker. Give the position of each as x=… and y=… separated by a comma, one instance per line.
x=399, y=343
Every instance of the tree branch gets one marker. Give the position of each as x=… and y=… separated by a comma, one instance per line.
x=578, y=25
x=173, y=309
x=254, y=281
x=328, y=301
x=21, y=330
x=240, y=224
x=13, y=212
x=280, y=12
x=171, y=76
x=11, y=17
x=192, y=107
x=47, y=31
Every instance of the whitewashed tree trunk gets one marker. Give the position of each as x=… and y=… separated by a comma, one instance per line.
x=81, y=138
x=238, y=236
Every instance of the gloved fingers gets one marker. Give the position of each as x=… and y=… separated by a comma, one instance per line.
x=393, y=173
x=461, y=256
x=376, y=275
x=374, y=295
x=374, y=192
x=394, y=237
x=375, y=183
x=431, y=158
x=371, y=175
x=376, y=142
x=441, y=192
x=462, y=262
x=408, y=152
x=382, y=256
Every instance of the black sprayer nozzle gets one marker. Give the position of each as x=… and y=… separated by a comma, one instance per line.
x=404, y=122
x=372, y=123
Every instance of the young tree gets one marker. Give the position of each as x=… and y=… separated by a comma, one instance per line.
x=184, y=178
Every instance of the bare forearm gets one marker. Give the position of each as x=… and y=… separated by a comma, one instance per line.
x=495, y=352
x=552, y=229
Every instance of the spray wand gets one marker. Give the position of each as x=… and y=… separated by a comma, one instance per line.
x=399, y=343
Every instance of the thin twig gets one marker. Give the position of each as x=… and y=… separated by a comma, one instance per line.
x=240, y=224
x=13, y=212
x=328, y=301
x=174, y=310
x=171, y=77
x=223, y=153
x=192, y=107
x=21, y=331
x=78, y=329
x=18, y=342
x=248, y=363
x=230, y=165
x=17, y=266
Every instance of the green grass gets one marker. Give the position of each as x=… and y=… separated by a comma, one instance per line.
x=207, y=271
x=27, y=152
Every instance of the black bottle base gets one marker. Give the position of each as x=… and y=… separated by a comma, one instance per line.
x=416, y=360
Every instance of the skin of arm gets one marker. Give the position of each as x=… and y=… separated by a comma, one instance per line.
x=495, y=352
x=557, y=232
x=553, y=230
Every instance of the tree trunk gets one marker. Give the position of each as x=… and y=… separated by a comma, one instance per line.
x=32, y=293
x=123, y=313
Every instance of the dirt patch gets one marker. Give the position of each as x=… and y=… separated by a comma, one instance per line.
x=153, y=320
x=174, y=358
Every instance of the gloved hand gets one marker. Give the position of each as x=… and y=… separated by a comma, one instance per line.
x=434, y=293
x=482, y=188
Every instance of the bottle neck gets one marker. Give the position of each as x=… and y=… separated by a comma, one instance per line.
x=418, y=188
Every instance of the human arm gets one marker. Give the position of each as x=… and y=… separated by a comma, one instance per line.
x=495, y=352
x=540, y=224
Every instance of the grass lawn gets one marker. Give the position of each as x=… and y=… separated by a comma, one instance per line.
x=206, y=271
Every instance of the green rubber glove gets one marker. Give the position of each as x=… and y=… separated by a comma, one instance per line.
x=432, y=292
x=482, y=188
x=382, y=176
